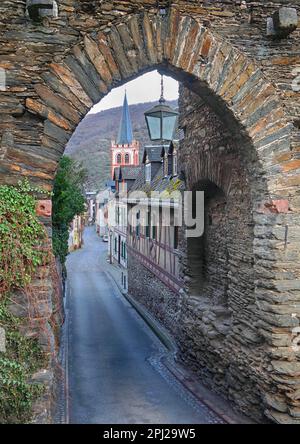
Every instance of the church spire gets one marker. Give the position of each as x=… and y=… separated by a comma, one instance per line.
x=125, y=136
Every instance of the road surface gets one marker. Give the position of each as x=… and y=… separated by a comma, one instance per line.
x=112, y=375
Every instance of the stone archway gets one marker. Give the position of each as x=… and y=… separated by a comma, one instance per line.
x=229, y=81
x=235, y=87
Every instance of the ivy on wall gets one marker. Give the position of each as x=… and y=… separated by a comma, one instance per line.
x=22, y=358
x=21, y=240
x=21, y=236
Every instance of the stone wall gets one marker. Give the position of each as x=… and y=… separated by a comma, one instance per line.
x=48, y=91
x=219, y=337
x=41, y=314
x=147, y=289
x=217, y=321
x=208, y=257
x=214, y=321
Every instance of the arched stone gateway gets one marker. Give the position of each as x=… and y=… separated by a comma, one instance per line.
x=56, y=73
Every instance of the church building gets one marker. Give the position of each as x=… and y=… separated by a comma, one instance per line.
x=124, y=151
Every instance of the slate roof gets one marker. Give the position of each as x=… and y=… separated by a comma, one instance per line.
x=140, y=180
x=125, y=136
x=159, y=182
x=129, y=172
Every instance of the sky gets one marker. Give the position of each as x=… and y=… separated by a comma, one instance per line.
x=145, y=88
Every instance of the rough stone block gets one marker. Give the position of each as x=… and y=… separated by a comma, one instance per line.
x=286, y=368
x=42, y=377
x=36, y=107
x=275, y=402
x=97, y=59
x=276, y=206
x=71, y=82
x=285, y=21
x=120, y=55
x=57, y=103
x=295, y=412
x=84, y=79
x=270, y=27
x=38, y=9
x=281, y=418
x=44, y=208
x=294, y=395
x=6, y=142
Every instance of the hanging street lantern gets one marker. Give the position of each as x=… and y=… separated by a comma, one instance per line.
x=161, y=119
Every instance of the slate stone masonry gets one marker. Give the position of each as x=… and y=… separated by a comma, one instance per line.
x=57, y=69
x=214, y=320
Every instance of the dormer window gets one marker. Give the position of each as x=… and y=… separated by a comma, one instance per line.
x=148, y=172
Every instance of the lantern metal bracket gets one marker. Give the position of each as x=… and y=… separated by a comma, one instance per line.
x=162, y=99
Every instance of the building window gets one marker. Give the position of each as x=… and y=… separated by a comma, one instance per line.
x=148, y=225
x=154, y=223
x=138, y=226
x=176, y=237
x=166, y=165
x=126, y=158
x=123, y=250
x=148, y=172
x=119, y=158
x=154, y=232
x=119, y=215
x=175, y=167
x=116, y=245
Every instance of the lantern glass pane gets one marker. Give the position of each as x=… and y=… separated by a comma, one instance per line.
x=154, y=127
x=168, y=126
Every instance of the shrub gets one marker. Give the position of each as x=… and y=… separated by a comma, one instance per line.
x=68, y=201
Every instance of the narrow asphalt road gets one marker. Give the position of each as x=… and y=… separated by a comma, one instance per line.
x=110, y=377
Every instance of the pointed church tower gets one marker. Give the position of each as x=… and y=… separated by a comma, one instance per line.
x=124, y=151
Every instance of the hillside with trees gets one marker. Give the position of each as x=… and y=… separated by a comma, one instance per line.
x=90, y=144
